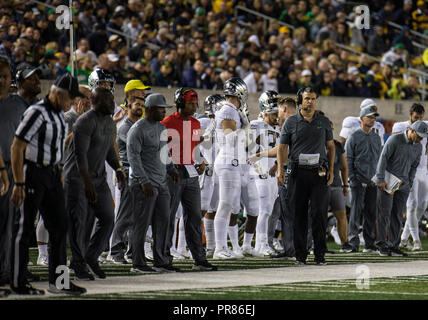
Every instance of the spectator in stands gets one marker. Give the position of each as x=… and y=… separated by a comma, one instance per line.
x=253, y=80
x=115, y=23
x=396, y=53
x=364, y=64
x=114, y=42
x=328, y=31
x=98, y=40
x=377, y=44
x=83, y=50
x=326, y=86
x=342, y=34
x=305, y=79
x=192, y=77
x=269, y=80
x=143, y=72
x=396, y=92
x=290, y=84
x=404, y=38
x=403, y=16
x=162, y=77
x=61, y=64
x=420, y=17
x=87, y=18
x=411, y=89
x=47, y=66
x=372, y=80
x=161, y=40
x=133, y=28
x=6, y=49
x=243, y=69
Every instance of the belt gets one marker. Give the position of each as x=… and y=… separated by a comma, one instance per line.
x=42, y=166
x=309, y=167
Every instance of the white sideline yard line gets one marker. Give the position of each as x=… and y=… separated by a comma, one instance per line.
x=248, y=277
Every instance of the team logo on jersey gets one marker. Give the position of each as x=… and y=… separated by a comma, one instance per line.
x=235, y=162
x=195, y=132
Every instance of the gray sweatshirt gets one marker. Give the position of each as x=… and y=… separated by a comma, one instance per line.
x=399, y=157
x=148, y=153
x=362, y=154
x=93, y=144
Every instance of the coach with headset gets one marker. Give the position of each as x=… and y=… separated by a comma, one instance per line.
x=183, y=137
x=304, y=139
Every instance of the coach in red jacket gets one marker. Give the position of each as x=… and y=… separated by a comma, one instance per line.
x=183, y=137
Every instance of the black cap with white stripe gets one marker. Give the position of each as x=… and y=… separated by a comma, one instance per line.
x=69, y=83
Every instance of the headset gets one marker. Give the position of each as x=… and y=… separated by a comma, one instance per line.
x=300, y=96
x=178, y=96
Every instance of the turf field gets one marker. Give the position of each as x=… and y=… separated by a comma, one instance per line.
x=405, y=286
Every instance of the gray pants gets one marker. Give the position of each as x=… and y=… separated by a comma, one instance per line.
x=6, y=222
x=363, y=207
x=187, y=191
x=287, y=223
x=390, y=217
x=152, y=211
x=84, y=247
x=123, y=224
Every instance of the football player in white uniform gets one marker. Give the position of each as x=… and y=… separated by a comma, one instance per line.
x=209, y=180
x=351, y=124
x=267, y=133
x=231, y=168
x=417, y=201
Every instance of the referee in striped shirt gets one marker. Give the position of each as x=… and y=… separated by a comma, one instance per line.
x=37, y=150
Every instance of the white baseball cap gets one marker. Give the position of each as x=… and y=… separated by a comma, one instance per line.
x=306, y=72
x=367, y=103
x=254, y=39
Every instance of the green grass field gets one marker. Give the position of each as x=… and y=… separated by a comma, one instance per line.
x=412, y=288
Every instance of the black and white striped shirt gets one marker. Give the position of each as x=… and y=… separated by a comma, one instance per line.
x=45, y=130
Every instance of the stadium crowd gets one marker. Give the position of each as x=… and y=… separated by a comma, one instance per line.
x=68, y=155
x=201, y=44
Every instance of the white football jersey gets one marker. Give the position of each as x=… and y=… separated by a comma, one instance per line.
x=233, y=151
x=207, y=147
x=269, y=138
x=351, y=124
x=403, y=126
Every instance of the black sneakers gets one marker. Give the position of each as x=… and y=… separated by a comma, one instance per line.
x=94, y=267
x=74, y=290
x=142, y=269
x=166, y=268
x=369, y=249
x=31, y=277
x=395, y=252
x=347, y=248
x=203, y=266
x=384, y=252
x=27, y=289
x=300, y=263
x=321, y=262
x=82, y=274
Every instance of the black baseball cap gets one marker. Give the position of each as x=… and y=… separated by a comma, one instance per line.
x=69, y=83
x=27, y=72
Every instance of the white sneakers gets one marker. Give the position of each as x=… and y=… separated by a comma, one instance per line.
x=43, y=260
x=276, y=243
x=417, y=246
x=238, y=253
x=249, y=251
x=185, y=253
x=335, y=235
x=405, y=244
x=266, y=251
x=223, y=254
